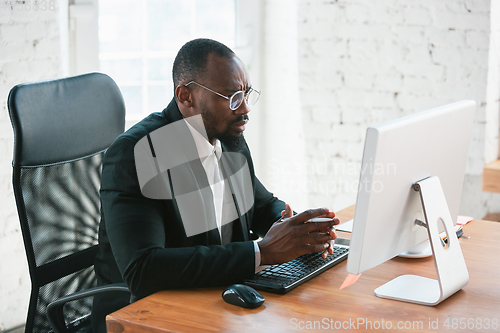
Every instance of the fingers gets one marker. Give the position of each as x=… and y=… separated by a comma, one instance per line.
x=319, y=238
x=330, y=242
x=309, y=214
x=300, y=235
x=288, y=211
x=319, y=242
x=317, y=248
x=324, y=226
x=328, y=215
x=329, y=250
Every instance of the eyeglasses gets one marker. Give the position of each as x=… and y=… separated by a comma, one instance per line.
x=251, y=96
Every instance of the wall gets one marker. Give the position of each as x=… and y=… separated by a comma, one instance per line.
x=283, y=148
x=329, y=70
x=362, y=62
x=29, y=51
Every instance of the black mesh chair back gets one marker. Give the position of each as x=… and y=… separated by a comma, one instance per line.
x=61, y=130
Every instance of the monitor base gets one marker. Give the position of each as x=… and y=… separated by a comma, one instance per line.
x=450, y=264
x=411, y=288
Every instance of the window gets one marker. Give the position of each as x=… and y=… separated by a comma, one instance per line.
x=138, y=41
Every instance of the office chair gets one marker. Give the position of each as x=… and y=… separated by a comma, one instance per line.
x=61, y=130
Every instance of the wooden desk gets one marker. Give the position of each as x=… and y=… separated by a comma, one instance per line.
x=321, y=300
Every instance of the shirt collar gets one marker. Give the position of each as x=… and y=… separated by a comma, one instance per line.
x=203, y=146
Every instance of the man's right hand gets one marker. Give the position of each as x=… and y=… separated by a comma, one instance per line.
x=292, y=237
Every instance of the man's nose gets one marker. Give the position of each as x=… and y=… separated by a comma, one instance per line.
x=244, y=108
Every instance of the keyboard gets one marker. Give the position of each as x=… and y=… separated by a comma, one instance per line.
x=284, y=277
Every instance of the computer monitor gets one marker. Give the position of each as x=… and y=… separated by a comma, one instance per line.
x=409, y=191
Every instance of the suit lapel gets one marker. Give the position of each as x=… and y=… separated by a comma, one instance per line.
x=230, y=167
x=190, y=179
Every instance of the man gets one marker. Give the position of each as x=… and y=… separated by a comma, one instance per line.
x=145, y=238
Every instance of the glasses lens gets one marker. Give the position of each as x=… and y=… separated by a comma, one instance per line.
x=253, y=97
x=236, y=100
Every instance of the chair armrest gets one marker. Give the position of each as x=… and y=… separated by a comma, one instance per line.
x=55, y=308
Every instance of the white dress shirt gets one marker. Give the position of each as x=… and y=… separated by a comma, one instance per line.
x=210, y=159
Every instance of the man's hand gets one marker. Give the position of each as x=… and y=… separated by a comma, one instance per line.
x=292, y=236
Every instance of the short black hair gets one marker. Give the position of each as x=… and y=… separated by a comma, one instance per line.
x=191, y=59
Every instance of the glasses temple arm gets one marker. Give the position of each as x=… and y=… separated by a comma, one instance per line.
x=215, y=92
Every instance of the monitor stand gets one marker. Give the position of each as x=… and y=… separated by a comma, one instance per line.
x=452, y=274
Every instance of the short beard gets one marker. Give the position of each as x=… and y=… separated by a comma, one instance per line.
x=231, y=143
x=234, y=143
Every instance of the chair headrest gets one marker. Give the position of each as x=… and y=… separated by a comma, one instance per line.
x=65, y=119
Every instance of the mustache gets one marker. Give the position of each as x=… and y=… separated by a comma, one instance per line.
x=241, y=118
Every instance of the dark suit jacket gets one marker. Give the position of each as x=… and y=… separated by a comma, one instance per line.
x=142, y=241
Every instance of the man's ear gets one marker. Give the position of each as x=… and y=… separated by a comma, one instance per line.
x=184, y=96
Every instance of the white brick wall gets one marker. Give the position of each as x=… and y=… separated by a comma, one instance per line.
x=29, y=51
x=363, y=62
x=358, y=62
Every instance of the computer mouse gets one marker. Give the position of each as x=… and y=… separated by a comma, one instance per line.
x=242, y=295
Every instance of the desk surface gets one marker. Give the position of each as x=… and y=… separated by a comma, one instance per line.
x=321, y=305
